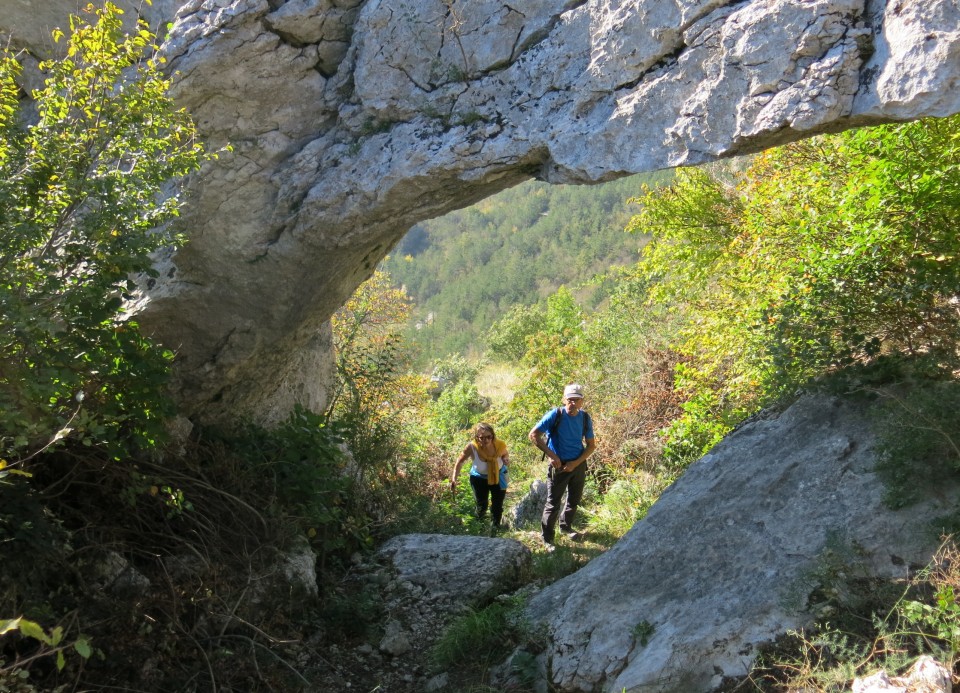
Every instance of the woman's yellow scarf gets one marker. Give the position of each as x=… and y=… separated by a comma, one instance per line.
x=493, y=469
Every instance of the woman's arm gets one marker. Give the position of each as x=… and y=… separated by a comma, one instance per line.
x=464, y=456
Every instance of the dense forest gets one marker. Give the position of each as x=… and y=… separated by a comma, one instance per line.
x=465, y=270
x=832, y=263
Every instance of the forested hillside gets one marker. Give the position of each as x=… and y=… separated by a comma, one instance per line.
x=463, y=271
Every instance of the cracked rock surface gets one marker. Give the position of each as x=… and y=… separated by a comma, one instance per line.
x=351, y=120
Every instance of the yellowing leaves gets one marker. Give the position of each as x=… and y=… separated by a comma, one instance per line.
x=369, y=355
x=5, y=469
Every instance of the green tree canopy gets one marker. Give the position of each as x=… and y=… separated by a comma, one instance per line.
x=828, y=252
x=471, y=268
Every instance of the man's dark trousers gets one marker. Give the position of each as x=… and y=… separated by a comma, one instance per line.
x=558, y=482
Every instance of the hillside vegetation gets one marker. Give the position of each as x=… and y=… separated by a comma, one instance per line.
x=138, y=560
x=463, y=271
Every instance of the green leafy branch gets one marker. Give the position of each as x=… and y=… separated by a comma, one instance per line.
x=89, y=189
x=51, y=642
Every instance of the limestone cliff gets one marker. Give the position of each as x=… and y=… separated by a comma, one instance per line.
x=353, y=120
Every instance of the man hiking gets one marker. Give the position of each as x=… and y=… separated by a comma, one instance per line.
x=570, y=441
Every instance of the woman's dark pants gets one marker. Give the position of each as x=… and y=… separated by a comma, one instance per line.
x=484, y=493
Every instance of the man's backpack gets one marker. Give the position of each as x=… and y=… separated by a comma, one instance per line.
x=552, y=432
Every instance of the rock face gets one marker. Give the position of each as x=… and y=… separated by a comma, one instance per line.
x=351, y=120
x=435, y=578
x=734, y=554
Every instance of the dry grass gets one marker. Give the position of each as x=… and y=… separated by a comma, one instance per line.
x=497, y=382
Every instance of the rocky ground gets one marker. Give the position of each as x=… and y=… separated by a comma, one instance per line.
x=426, y=582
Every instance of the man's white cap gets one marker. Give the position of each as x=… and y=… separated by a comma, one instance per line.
x=573, y=390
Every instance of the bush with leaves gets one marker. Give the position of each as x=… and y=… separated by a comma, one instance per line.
x=624, y=503
x=372, y=386
x=452, y=370
x=455, y=413
x=302, y=477
x=87, y=192
x=49, y=644
x=918, y=438
x=905, y=621
x=507, y=338
x=826, y=253
x=378, y=406
x=552, y=358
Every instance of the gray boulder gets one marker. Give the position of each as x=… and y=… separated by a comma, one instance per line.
x=455, y=569
x=528, y=510
x=432, y=579
x=733, y=555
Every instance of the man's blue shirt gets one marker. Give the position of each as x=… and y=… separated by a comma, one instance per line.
x=569, y=444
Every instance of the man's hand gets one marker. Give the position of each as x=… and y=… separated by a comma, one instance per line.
x=569, y=466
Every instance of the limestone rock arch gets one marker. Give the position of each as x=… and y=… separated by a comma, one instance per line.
x=351, y=120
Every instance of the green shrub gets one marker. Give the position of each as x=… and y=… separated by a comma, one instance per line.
x=872, y=625
x=826, y=253
x=625, y=503
x=919, y=438
x=507, y=338
x=353, y=613
x=299, y=477
x=53, y=643
x=456, y=411
x=88, y=190
x=455, y=369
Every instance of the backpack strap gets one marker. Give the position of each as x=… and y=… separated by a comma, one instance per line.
x=552, y=431
x=556, y=422
x=554, y=427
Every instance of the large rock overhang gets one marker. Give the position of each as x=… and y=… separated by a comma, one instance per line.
x=352, y=120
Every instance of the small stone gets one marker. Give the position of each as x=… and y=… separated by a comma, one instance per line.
x=437, y=683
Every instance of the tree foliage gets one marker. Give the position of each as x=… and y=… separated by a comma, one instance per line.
x=376, y=398
x=87, y=191
x=551, y=357
x=507, y=338
x=828, y=252
x=467, y=270
x=369, y=356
